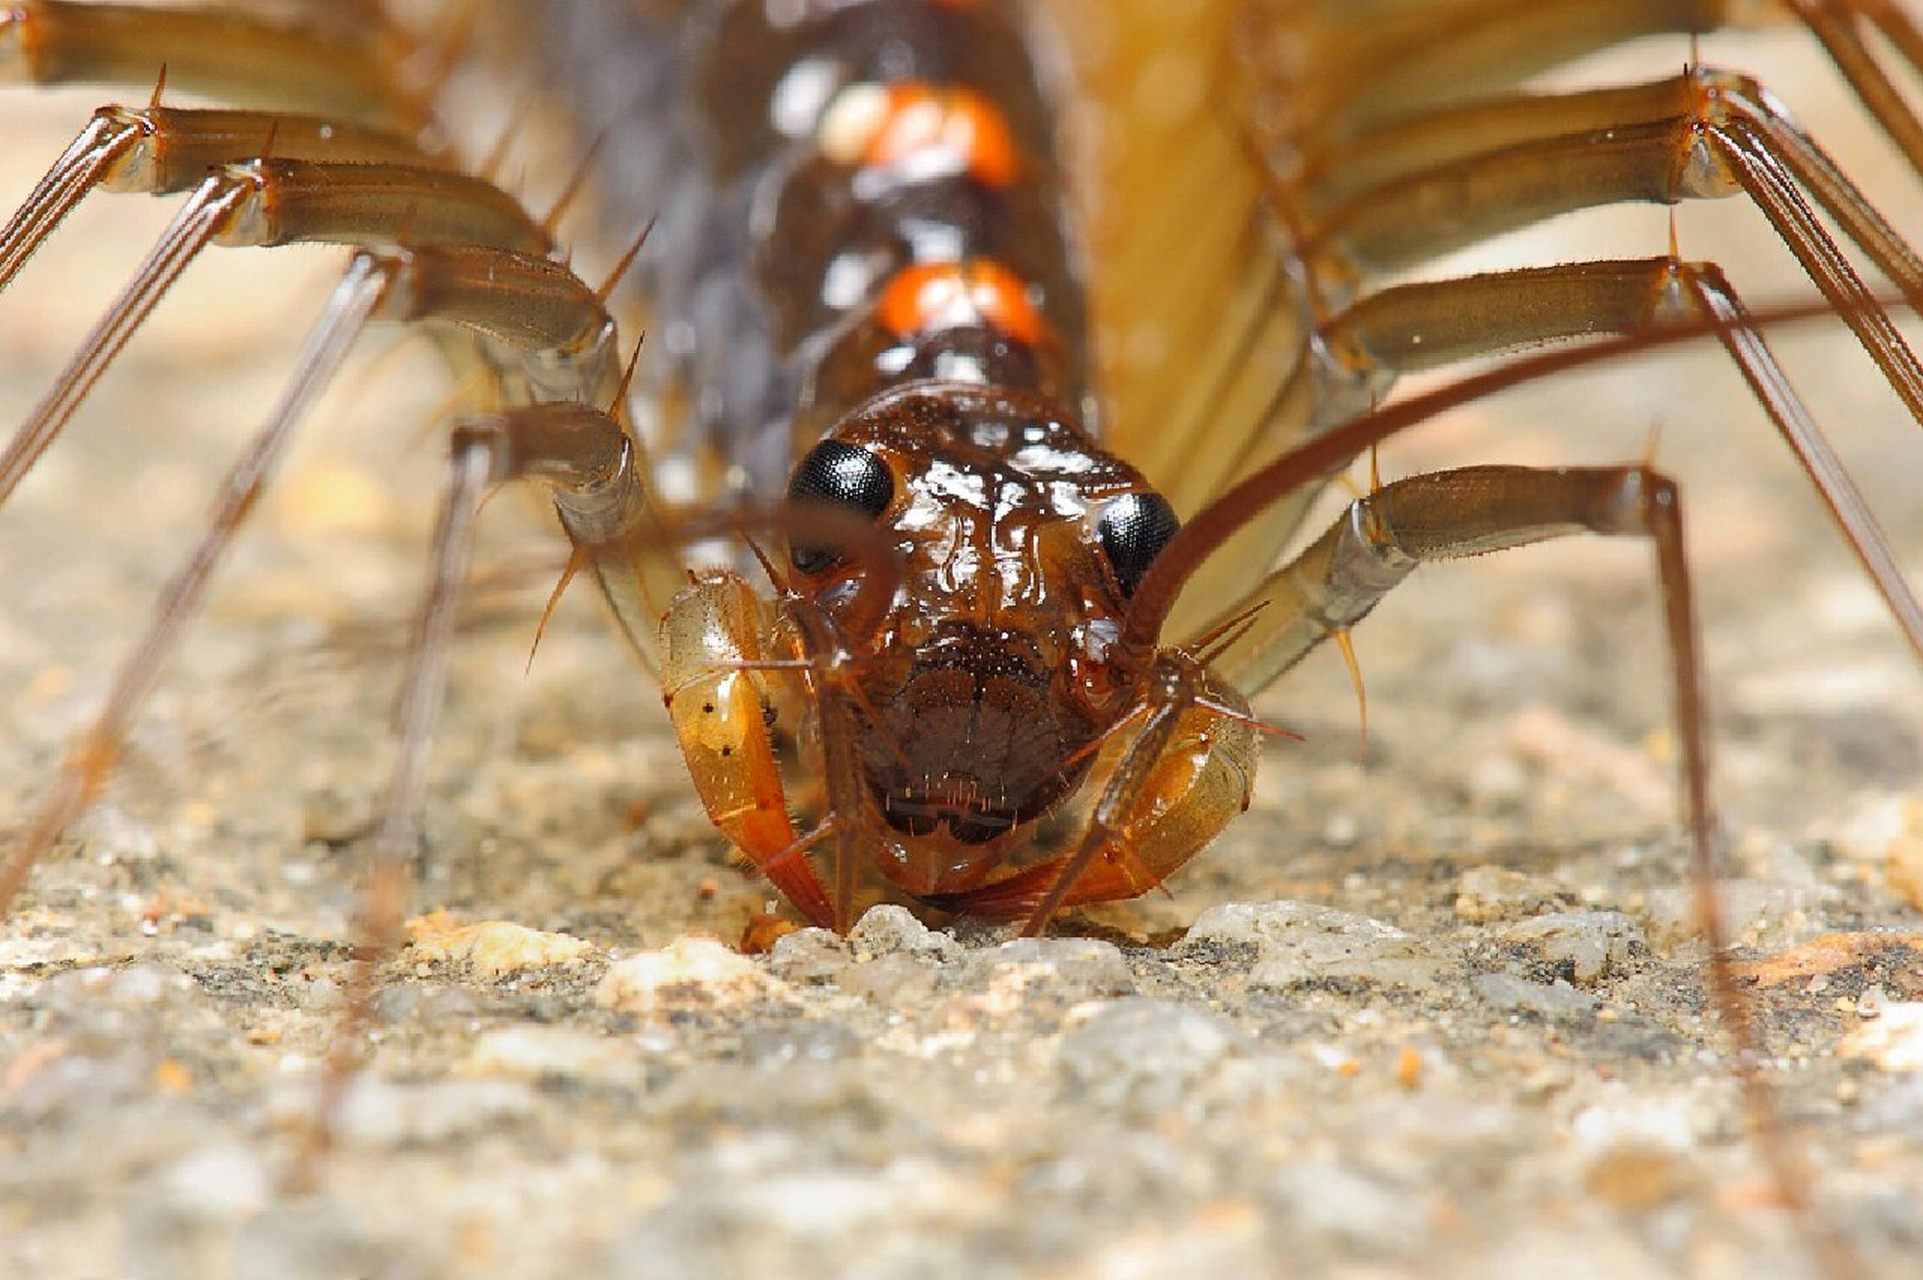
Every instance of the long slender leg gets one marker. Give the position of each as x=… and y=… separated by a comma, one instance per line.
x=532, y=308
x=1382, y=537
x=164, y=150
x=1335, y=173
x=275, y=202
x=585, y=458
x=586, y=461
x=1358, y=355
x=1704, y=133
x=1369, y=64
x=1839, y=25
x=1373, y=63
x=354, y=301
x=390, y=871
x=192, y=229
x=1452, y=514
x=1433, y=145
x=1426, y=325
x=1715, y=139
x=233, y=56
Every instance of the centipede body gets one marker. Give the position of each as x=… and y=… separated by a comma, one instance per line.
x=227, y=825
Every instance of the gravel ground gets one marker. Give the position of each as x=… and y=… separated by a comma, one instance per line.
x=1434, y=1011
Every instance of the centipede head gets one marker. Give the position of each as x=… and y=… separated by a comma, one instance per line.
x=995, y=668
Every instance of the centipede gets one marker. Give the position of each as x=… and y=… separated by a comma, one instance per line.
x=1025, y=448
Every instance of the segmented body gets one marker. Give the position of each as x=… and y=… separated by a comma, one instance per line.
x=796, y=168
x=863, y=272
x=1462, y=1168
x=883, y=302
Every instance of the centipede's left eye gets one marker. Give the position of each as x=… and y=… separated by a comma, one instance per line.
x=840, y=475
x=1133, y=530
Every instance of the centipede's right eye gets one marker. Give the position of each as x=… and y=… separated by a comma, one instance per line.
x=1133, y=530
x=838, y=475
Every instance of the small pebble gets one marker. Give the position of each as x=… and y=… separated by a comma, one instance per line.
x=1586, y=945
x=410, y=1002
x=1751, y=908
x=1905, y=869
x=492, y=949
x=223, y=1180
x=77, y=1084
x=784, y=1045
x=1637, y=1179
x=88, y=991
x=897, y=980
x=1489, y=893
x=1302, y=943
x=1642, y=1120
x=809, y=956
x=889, y=929
x=1329, y=1198
x=383, y=1114
x=1893, y=1041
x=687, y=973
x=1868, y=831
x=1042, y=973
x=112, y=835
x=1558, y=1000
x=1831, y=953
x=1341, y=830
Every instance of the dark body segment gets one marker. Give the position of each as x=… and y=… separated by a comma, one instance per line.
x=759, y=133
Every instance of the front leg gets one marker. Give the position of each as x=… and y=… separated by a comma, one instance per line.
x=712, y=642
x=1169, y=791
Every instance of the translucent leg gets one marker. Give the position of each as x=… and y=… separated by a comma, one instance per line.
x=163, y=150
x=1839, y=24
x=1424, y=326
x=468, y=286
x=1364, y=64
x=1353, y=65
x=586, y=461
x=384, y=896
x=1705, y=133
x=90, y=759
x=1359, y=354
x=273, y=202
x=1481, y=510
x=239, y=58
x=1452, y=514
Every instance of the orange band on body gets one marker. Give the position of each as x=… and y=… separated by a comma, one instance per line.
x=929, y=296
x=944, y=128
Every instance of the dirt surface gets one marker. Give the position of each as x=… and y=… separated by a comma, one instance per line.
x=1435, y=1012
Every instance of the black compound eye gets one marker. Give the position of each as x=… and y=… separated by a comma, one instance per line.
x=1134, y=528
x=838, y=475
